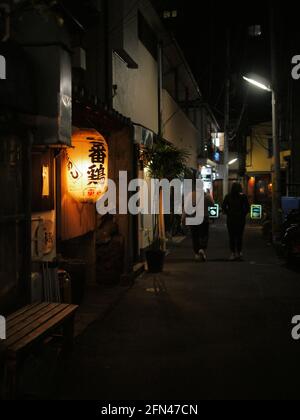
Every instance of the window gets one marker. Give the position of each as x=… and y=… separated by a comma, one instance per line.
x=167, y=14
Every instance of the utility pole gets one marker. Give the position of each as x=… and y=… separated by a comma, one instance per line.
x=276, y=172
x=227, y=118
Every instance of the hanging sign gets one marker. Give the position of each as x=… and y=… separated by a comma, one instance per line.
x=87, y=166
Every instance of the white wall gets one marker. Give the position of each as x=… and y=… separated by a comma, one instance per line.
x=179, y=130
x=137, y=96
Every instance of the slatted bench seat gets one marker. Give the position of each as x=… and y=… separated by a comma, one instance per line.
x=31, y=326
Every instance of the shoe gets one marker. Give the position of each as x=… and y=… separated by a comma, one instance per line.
x=202, y=255
x=232, y=257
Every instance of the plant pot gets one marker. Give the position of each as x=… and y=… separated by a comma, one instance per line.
x=155, y=260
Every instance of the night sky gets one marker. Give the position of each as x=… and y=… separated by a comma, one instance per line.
x=201, y=32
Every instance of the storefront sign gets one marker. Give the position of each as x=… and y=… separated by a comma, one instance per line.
x=214, y=211
x=2, y=68
x=256, y=212
x=87, y=166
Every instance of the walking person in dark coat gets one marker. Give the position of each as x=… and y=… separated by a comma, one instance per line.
x=200, y=233
x=236, y=207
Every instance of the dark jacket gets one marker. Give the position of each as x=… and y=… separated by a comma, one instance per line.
x=236, y=207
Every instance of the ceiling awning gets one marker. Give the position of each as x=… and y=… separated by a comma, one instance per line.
x=98, y=116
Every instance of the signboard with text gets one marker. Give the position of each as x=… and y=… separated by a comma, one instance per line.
x=214, y=211
x=256, y=212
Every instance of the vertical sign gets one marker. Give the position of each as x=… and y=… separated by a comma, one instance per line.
x=214, y=211
x=87, y=167
x=45, y=181
x=256, y=212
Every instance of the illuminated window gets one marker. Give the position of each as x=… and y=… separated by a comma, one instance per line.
x=170, y=14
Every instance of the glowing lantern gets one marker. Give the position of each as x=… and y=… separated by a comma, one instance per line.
x=87, y=166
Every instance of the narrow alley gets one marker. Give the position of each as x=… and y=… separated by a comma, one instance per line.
x=129, y=129
x=214, y=331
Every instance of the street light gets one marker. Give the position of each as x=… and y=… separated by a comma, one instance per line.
x=232, y=162
x=258, y=84
x=276, y=196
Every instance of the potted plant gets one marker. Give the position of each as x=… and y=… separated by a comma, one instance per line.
x=155, y=254
x=163, y=161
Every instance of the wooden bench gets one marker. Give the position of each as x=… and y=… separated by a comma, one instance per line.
x=31, y=326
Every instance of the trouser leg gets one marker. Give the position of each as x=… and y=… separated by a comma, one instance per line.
x=204, y=235
x=232, y=239
x=240, y=237
x=196, y=238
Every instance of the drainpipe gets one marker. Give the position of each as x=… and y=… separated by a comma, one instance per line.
x=159, y=88
x=27, y=177
x=108, y=57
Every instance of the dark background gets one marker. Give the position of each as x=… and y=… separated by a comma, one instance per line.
x=201, y=29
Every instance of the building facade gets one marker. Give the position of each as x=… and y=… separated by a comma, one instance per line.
x=259, y=165
x=86, y=88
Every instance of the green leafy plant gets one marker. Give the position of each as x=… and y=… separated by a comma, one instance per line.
x=164, y=161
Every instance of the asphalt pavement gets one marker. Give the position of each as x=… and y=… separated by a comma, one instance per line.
x=199, y=331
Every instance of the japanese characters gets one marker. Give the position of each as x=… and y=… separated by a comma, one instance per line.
x=87, y=167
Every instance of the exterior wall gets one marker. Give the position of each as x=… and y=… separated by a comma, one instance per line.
x=179, y=130
x=259, y=165
x=15, y=221
x=121, y=156
x=258, y=160
x=257, y=150
x=137, y=94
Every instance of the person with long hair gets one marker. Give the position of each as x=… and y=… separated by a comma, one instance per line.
x=236, y=207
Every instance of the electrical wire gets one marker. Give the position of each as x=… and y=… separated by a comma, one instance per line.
x=257, y=139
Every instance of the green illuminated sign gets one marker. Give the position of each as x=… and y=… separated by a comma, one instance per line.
x=256, y=212
x=214, y=211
